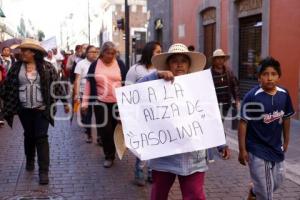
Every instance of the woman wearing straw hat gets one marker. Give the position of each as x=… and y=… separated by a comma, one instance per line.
x=227, y=90
x=29, y=91
x=189, y=167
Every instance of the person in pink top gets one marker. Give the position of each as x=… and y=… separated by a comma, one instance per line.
x=104, y=75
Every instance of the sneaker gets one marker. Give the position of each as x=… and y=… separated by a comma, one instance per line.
x=139, y=178
x=139, y=182
x=44, y=179
x=108, y=163
x=2, y=123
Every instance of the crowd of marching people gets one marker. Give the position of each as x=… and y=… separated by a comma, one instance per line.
x=33, y=79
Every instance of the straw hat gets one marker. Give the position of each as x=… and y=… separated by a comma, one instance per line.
x=220, y=53
x=119, y=140
x=198, y=60
x=29, y=43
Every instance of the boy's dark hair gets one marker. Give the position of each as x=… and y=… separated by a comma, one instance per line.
x=147, y=53
x=269, y=62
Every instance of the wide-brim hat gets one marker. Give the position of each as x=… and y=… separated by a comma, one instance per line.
x=198, y=60
x=119, y=141
x=29, y=43
x=220, y=53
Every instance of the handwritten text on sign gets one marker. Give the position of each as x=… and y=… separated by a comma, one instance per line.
x=161, y=118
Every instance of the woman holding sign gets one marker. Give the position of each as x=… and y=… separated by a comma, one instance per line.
x=189, y=167
x=137, y=72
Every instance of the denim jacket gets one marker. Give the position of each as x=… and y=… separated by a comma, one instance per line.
x=181, y=164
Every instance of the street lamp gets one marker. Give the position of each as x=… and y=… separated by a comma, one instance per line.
x=64, y=24
x=89, y=23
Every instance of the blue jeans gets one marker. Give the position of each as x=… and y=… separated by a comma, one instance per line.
x=213, y=152
x=139, y=166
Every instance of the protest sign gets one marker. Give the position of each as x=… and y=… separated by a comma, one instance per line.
x=161, y=118
x=49, y=43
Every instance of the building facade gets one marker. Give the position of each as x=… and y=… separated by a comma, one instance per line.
x=160, y=19
x=113, y=28
x=248, y=30
x=6, y=32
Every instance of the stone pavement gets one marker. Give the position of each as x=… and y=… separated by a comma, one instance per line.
x=76, y=172
x=292, y=157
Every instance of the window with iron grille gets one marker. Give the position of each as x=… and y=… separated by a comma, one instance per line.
x=250, y=46
x=250, y=31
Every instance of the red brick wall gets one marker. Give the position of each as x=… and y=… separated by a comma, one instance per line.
x=285, y=43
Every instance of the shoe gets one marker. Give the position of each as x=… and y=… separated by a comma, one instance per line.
x=108, y=163
x=29, y=165
x=2, y=123
x=251, y=195
x=139, y=178
x=89, y=139
x=139, y=182
x=149, y=179
x=44, y=179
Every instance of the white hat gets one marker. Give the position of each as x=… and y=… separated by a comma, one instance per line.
x=220, y=53
x=198, y=60
x=119, y=141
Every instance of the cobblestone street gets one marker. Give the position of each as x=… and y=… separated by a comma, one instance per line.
x=76, y=171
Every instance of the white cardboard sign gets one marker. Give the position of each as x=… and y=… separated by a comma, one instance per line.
x=161, y=118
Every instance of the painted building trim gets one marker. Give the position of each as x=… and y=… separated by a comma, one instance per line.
x=233, y=32
x=200, y=32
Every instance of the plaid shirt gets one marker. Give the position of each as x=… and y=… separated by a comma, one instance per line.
x=9, y=91
x=227, y=86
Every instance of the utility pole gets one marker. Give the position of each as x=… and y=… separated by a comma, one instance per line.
x=127, y=34
x=89, y=23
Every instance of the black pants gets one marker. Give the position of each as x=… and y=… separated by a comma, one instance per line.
x=35, y=127
x=224, y=108
x=104, y=117
x=86, y=119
